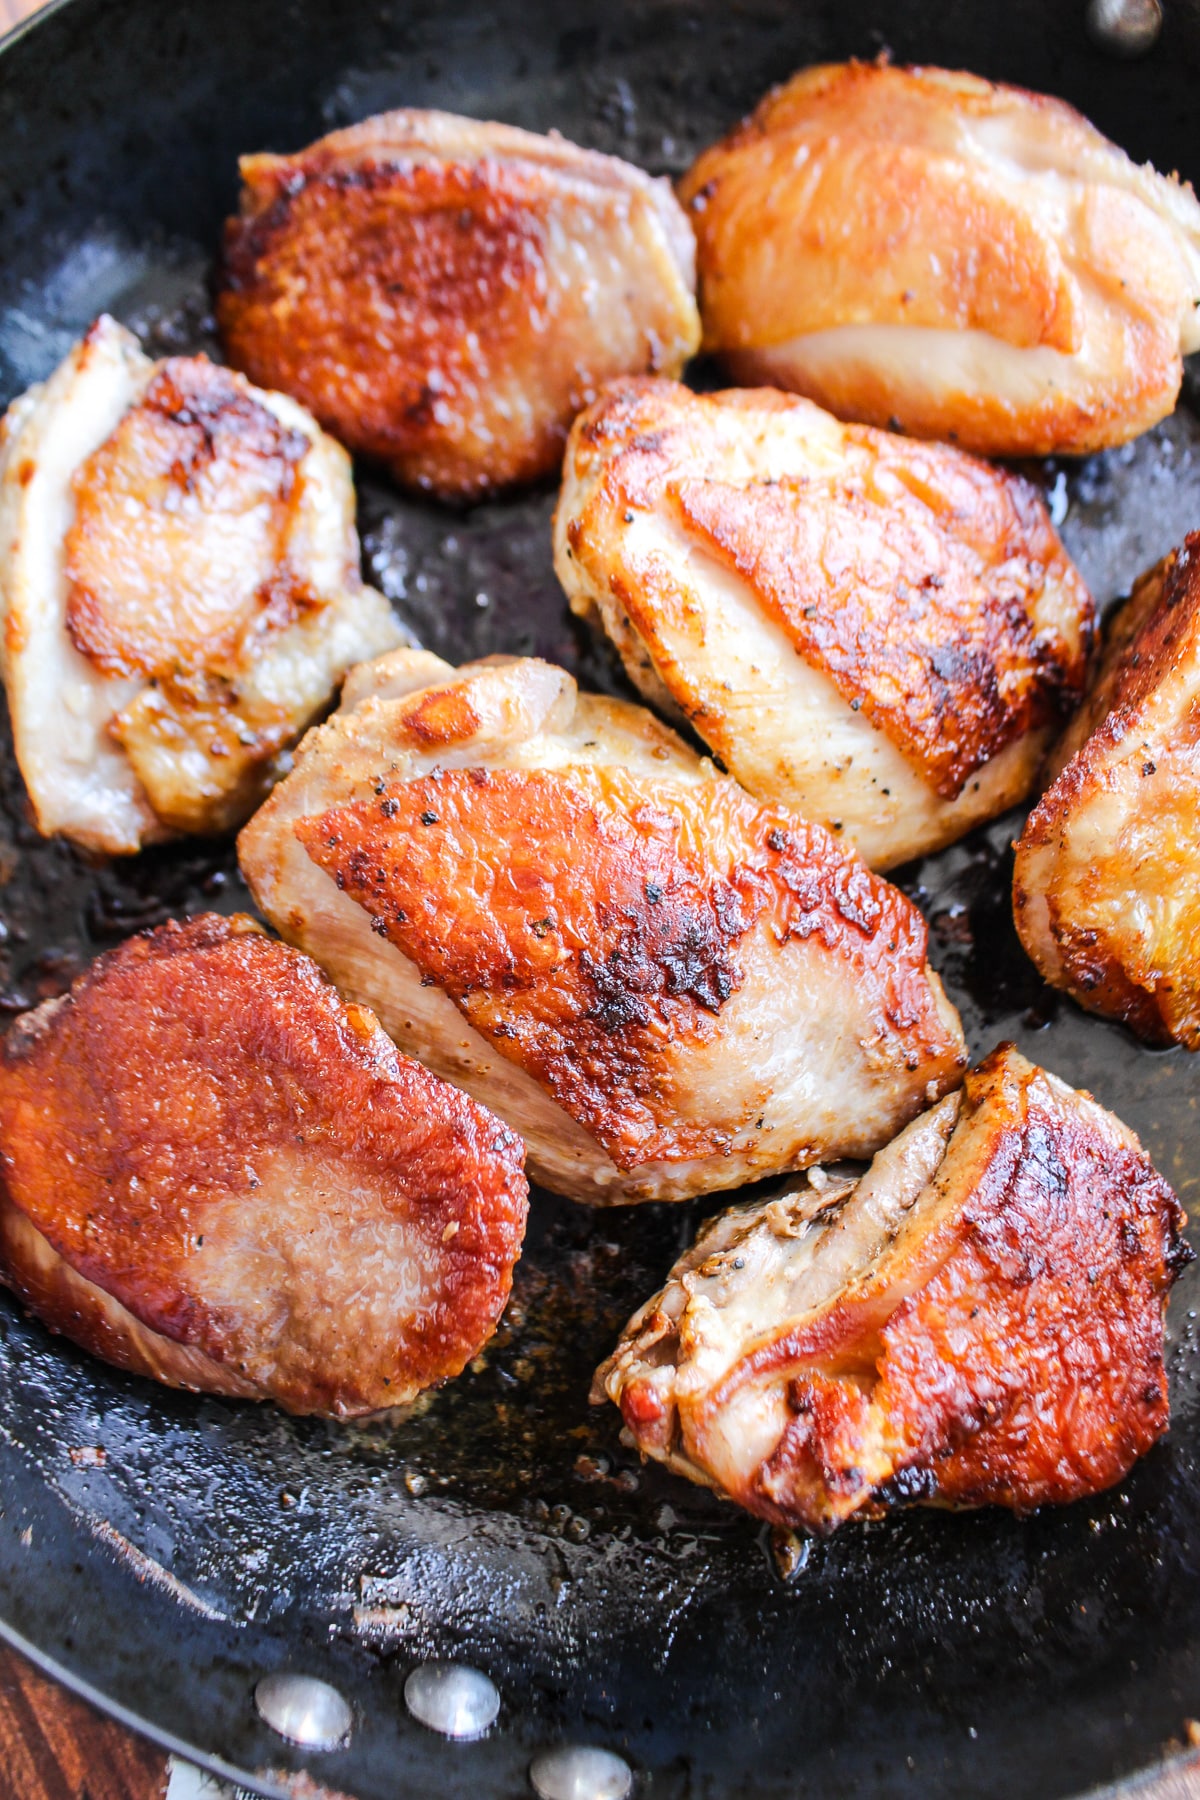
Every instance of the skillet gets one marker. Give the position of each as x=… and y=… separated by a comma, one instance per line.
x=162, y=1552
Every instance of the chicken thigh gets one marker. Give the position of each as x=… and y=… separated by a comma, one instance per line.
x=554, y=903
x=880, y=633
x=217, y=1174
x=445, y=295
x=1104, y=886
x=947, y=256
x=977, y=1320
x=179, y=590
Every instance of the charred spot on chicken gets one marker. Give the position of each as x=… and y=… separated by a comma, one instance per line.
x=548, y=897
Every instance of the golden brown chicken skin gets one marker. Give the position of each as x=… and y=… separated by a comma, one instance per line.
x=636, y=948
x=1104, y=885
x=217, y=1174
x=663, y=986
x=953, y=257
x=179, y=590
x=977, y=1321
x=445, y=295
x=880, y=633
x=145, y=586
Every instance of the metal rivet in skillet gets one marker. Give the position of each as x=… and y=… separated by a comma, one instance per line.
x=579, y=1772
x=458, y=1701
x=303, y=1709
x=1125, y=27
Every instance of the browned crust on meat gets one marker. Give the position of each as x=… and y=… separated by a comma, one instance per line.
x=198, y=454
x=1117, y=923
x=1149, y=637
x=852, y=197
x=414, y=302
x=140, y=1120
x=947, y=248
x=73, y=1307
x=1023, y=1364
x=913, y=578
x=458, y=248
x=587, y=927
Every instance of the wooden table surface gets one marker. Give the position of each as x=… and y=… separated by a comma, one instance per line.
x=54, y=1747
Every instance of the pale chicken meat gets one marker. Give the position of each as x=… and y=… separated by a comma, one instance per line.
x=952, y=257
x=880, y=633
x=445, y=294
x=977, y=1320
x=180, y=591
x=1104, y=886
x=553, y=902
x=217, y=1174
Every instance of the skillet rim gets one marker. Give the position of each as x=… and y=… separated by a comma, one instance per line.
x=1155, y=1781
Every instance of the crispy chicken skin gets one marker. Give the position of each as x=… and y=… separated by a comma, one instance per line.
x=179, y=590
x=554, y=903
x=955, y=258
x=877, y=632
x=1104, y=886
x=445, y=295
x=977, y=1321
x=217, y=1174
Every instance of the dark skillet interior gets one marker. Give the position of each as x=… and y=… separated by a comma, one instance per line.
x=506, y=1525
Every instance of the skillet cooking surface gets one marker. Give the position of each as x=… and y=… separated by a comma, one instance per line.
x=168, y=1550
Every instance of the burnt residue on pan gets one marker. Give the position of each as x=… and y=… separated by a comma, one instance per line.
x=502, y=1520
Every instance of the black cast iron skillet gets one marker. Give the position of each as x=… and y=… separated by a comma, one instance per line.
x=161, y=1551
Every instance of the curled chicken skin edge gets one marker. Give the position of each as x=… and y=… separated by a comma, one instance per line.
x=841, y=1349
x=1104, y=898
